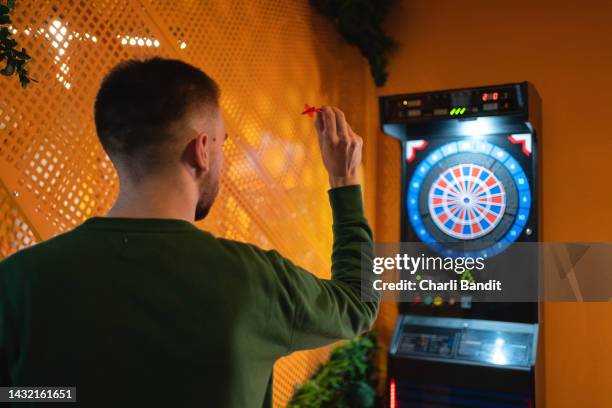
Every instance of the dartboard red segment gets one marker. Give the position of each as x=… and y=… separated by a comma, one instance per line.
x=467, y=201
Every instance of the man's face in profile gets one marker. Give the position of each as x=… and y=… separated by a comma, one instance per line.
x=209, y=181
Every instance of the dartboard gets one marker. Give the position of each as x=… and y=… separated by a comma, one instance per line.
x=467, y=201
x=472, y=193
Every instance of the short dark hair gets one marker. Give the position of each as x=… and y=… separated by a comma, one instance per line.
x=139, y=100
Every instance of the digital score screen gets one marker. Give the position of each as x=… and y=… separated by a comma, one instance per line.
x=491, y=96
x=480, y=342
x=503, y=99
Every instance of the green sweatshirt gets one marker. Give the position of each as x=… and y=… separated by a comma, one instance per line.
x=155, y=312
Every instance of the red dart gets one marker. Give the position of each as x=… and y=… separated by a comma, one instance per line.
x=310, y=110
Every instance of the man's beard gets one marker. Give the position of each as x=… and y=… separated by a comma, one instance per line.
x=207, y=198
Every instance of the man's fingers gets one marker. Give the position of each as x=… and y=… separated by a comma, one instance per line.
x=351, y=133
x=340, y=147
x=332, y=127
x=329, y=119
x=320, y=124
x=341, y=125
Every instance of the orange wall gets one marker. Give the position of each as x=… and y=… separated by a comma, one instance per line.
x=564, y=49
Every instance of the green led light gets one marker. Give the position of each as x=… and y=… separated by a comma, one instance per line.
x=457, y=111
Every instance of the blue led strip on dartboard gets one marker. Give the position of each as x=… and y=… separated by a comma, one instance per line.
x=470, y=146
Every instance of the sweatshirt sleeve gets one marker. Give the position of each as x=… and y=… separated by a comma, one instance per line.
x=4, y=381
x=322, y=311
x=8, y=331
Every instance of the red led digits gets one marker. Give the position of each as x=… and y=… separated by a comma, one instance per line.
x=492, y=96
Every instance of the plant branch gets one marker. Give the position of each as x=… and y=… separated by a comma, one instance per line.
x=15, y=60
x=360, y=24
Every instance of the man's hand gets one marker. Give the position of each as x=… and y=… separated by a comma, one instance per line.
x=340, y=147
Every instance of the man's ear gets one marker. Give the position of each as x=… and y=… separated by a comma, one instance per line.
x=201, y=157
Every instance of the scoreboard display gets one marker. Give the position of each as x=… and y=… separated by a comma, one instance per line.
x=454, y=104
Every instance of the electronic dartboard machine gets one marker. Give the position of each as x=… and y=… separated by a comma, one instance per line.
x=469, y=176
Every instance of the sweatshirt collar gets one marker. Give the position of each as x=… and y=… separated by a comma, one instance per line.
x=139, y=224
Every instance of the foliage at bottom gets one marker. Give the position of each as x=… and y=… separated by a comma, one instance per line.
x=347, y=380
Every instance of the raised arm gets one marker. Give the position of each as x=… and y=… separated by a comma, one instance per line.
x=322, y=311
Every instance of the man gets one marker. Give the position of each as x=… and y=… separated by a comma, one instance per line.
x=141, y=308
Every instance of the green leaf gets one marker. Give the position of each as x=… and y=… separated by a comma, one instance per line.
x=363, y=395
x=9, y=69
x=10, y=4
x=366, y=342
x=24, y=54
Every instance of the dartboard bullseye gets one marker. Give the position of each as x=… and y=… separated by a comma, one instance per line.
x=467, y=201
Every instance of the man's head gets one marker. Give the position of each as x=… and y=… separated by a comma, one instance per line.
x=157, y=117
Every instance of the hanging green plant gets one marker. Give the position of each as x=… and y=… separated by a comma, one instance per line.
x=347, y=380
x=360, y=23
x=15, y=60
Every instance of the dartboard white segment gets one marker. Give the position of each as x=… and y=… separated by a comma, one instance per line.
x=467, y=201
